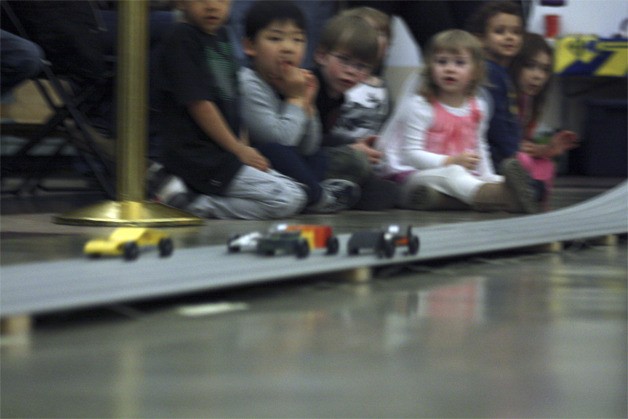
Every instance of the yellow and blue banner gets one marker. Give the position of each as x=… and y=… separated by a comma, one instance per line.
x=590, y=55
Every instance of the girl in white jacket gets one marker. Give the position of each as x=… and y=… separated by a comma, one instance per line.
x=435, y=145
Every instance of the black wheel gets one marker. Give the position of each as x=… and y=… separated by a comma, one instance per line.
x=166, y=247
x=131, y=251
x=94, y=255
x=353, y=251
x=233, y=249
x=386, y=248
x=302, y=249
x=413, y=245
x=333, y=245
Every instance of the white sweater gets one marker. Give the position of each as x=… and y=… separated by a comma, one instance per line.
x=404, y=141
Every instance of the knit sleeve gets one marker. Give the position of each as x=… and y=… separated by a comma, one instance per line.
x=271, y=120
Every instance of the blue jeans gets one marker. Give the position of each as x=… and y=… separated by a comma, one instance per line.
x=308, y=170
x=21, y=60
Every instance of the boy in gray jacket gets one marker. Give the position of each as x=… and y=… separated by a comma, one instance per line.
x=278, y=104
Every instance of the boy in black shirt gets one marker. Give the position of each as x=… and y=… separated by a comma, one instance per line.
x=216, y=173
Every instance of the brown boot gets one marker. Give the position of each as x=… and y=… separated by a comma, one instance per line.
x=520, y=183
x=495, y=197
x=426, y=198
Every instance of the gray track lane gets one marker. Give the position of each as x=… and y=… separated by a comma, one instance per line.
x=48, y=286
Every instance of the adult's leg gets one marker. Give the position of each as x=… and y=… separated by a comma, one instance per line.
x=253, y=194
x=67, y=32
x=20, y=58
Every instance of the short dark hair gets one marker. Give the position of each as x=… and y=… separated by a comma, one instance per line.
x=264, y=12
x=478, y=21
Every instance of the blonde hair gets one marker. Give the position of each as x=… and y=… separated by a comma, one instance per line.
x=455, y=41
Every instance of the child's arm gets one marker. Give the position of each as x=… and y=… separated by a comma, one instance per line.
x=485, y=169
x=299, y=87
x=211, y=121
x=367, y=146
x=271, y=120
x=560, y=142
x=413, y=147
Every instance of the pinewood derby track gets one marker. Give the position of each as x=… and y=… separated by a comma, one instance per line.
x=42, y=287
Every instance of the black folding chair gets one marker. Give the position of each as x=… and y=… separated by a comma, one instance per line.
x=69, y=120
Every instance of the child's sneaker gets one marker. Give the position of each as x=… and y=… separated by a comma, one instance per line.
x=539, y=189
x=156, y=176
x=338, y=195
x=519, y=182
x=166, y=188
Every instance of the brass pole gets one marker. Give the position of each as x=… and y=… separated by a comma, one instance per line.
x=132, y=102
x=130, y=209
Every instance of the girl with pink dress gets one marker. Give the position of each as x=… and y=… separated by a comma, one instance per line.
x=435, y=144
x=531, y=73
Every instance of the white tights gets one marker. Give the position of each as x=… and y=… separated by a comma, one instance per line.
x=452, y=180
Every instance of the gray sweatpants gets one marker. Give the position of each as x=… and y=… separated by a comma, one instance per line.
x=253, y=194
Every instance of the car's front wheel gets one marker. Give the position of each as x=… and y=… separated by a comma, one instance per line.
x=333, y=245
x=131, y=251
x=302, y=249
x=166, y=247
x=413, y=245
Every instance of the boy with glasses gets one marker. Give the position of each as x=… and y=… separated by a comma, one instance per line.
x=347, y=54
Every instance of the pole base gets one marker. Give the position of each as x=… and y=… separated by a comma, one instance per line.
x=128, y=214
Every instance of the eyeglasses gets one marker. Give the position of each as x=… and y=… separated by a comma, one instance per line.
x=347, y=63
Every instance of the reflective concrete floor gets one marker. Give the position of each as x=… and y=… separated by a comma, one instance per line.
x=503, y=335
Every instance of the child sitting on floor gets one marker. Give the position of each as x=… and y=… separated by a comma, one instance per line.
x=278, y=103
x=531, y=73
x=215, y=173
x=367, y=105
x=435, y=145
x=499, y=25
x=347, y=53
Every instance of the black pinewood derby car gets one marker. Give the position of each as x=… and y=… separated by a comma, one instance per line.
x=383, y=242
x=272, y=243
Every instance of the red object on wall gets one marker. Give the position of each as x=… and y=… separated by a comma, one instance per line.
x=552, y=26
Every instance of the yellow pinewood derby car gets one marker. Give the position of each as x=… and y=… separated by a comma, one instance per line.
x=127, y=241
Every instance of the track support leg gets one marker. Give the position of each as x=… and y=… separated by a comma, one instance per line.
x=553, y=247
x=362, y=274
x=16, y=325
x=608, y=240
